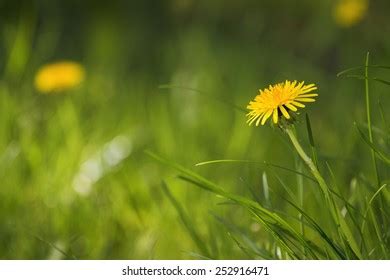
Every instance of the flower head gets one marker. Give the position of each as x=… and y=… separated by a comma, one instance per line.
x=59, y=76
x=279, y=100
x=349, y=12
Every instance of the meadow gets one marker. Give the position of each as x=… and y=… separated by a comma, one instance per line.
x=151, y=156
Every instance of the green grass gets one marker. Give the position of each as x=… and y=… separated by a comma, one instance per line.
x=174, y=80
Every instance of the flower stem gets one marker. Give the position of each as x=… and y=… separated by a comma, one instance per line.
x=308, y=161
x=320, y=180
x=342, y=227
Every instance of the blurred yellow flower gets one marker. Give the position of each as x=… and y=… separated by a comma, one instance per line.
x=278, y=100
x=59, y=76
x=349, y=12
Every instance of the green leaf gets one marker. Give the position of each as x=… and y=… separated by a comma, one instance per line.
x=361, y=77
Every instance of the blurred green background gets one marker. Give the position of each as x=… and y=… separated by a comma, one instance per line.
x=75, y=181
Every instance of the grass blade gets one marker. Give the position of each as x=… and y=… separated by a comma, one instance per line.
x=361, y=67
x=227, y=160
x=255, y=162
x=251, y=248
x=266, y=217
x=370, y=203
x=311, y=141
x=373, y=147
x=55, y=247
x=361, y=77
x=336, y=248
x=369, y=117
x=187, y=222
x=348, y=207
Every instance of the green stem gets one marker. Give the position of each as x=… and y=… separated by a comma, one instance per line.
x=308, y=161
x=368, y=111
x=342, y=227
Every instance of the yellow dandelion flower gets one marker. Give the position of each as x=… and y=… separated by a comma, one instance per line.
x=59, y=76
x=279, y=100
x=350, y=12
